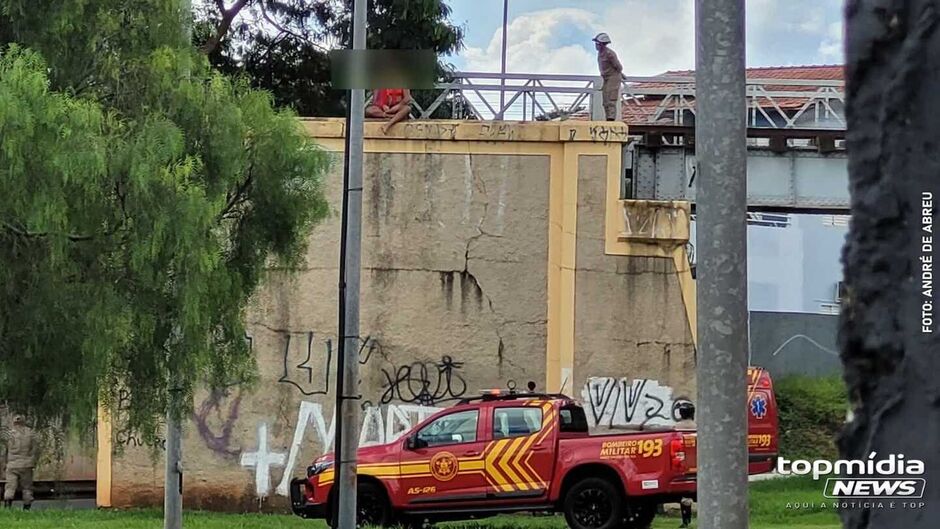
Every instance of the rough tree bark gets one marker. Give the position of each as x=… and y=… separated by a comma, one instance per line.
x=892, y=366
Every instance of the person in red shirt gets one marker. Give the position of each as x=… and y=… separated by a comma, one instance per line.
x=393, y=104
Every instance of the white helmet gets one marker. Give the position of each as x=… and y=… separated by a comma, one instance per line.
x=603, y=38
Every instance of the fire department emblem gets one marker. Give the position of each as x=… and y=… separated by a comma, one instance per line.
x=444, y=466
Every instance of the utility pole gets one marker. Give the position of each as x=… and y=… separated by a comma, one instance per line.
x=502, y=69
x=347, y=388
x=173, y=477
x=173, y=481
x=721, y=208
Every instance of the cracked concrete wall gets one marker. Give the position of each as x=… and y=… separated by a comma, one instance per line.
x=453, y=301
x=630, y=320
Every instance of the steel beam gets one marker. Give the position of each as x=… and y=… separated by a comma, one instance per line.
x=794, y=179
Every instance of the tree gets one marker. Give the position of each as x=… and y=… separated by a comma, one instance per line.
x=559, y=115
x=888, y=335
x=282, y=45
x=144, y=196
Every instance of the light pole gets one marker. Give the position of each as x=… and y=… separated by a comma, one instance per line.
x=347, y=386
x=721, y=208
x=502, y=69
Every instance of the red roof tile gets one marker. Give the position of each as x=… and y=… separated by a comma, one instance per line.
x=640, y=110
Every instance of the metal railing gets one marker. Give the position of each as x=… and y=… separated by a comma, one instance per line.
x=663, y=100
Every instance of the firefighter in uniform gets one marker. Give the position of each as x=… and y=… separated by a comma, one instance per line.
x=611, y=71
x=686, y=422
x=21, y=451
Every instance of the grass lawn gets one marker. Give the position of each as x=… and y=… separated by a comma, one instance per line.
x=768, y=509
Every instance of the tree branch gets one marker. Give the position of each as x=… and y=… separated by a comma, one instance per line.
x=22, y=232
x=283, y=30
x=237, y=197
x=228, y=15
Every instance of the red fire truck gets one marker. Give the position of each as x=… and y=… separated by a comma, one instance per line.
x=501, y=453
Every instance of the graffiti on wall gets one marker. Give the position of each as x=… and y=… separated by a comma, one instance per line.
x=224, y=411
x=424, y=383
x=127, y=437
x=612, y=402
x=380, y=424
x=262, y=460
x=311, y=376
x=405, y=398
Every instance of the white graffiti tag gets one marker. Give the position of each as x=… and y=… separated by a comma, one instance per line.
x=624, y=402
x=376, y=429
x=262, y=460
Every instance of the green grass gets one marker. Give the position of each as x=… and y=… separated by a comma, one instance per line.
x=768, y=510
x=147, y=519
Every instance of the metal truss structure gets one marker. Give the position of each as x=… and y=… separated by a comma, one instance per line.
x=662, y=100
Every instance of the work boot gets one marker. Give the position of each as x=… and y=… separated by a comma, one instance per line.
x=26, y=506
x=7, y=504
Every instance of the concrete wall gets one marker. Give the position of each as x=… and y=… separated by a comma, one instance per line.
x=484, y=261
x=634, y=352
x=787, y=343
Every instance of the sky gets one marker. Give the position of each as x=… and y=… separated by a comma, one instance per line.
x=650, y=36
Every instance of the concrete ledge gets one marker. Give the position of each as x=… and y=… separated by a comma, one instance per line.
x=654, y=221
x=468, y=130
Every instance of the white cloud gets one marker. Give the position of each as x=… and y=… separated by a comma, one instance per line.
x=649, y=37
x=653, y=36
x=531, y=47
x=830, y=49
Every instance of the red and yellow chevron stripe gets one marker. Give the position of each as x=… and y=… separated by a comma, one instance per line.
x=504, y=462
x=507, y=467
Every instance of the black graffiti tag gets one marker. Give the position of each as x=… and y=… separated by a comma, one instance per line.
x=306, y=383
x=424, y=382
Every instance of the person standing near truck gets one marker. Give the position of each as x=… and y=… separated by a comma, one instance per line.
x=21, y=448
x=686, y=422
x=611, y=71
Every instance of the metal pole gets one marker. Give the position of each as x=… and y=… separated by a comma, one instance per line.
x=347, y=408
x=173, y=480
x=173, y=477
x=502, y=69
x=721, y=149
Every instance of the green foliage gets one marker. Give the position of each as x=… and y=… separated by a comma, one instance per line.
x=812, y=413
x=282, y=45
x=144, y=196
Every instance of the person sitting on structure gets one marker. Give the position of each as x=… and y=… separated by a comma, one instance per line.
x=393, y=104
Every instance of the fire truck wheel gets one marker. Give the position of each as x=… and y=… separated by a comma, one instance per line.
x=372, y=507
x=594, y=503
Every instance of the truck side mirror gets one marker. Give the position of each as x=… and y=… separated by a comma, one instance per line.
x=414, y=443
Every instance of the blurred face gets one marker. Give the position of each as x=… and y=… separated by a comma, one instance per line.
x=19, y=420
x=598, y=46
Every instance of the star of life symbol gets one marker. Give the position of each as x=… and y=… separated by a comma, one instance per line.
x=758, y=406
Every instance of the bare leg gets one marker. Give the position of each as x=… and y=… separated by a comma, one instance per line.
x=399, y=116
x=373, y=111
